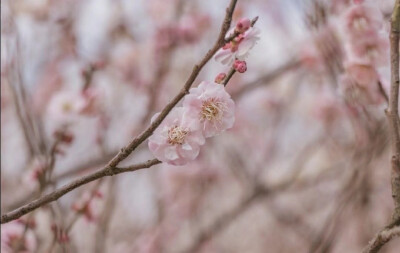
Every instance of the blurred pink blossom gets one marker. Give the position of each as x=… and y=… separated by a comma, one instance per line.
x=361, y=19
x=14, y=239
x=373, y=49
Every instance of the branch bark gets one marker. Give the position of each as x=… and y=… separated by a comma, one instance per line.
x=383, y=236
x=15, y=214
x=111, y=168
x=392, y=114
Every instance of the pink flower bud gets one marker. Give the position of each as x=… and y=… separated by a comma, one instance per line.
x=220, y=77
x=240, y=66
x=243, y=25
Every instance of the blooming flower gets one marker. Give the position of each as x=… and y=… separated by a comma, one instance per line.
x=239, y=47
x=212, y=106
x=178, y=139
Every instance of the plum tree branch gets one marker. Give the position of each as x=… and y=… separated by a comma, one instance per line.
x=392, y=114
x=50, y=197
x=111, y=168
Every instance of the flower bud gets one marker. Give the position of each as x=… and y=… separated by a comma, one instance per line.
x=243, y=25
x=240, y=66
x=220, y=77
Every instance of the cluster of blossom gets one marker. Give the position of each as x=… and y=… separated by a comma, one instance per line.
x=367, y=49
x=238, y=49
x=207, y=110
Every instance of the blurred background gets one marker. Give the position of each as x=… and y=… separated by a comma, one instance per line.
x=306, y=167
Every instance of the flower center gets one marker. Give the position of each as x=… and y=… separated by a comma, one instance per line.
x=212, y=109
x=176, y=135
x=360, y=23
x=67, y=107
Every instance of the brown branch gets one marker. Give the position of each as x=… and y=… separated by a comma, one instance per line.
x=125, y=152
x=392, y=114
x=15, y=214
x=383, y=236
x=228, y=76
x=111, y=168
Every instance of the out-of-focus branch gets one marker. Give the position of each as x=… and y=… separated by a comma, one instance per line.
x=226, y=219
x=111, y=168
x=15, y=214
x=266, y=79
x=162, y=70
x=105, y=218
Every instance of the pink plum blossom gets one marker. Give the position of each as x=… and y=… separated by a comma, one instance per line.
x=65, y=106
x=178, y=139
x=212, y=106
x=239, y=47
x=361, y=19
x=14, y=239
x=373, y=49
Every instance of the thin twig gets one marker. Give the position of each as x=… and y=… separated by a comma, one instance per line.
x=111, y=168
x=267, y=78
x=15, y=214
x=383, y=236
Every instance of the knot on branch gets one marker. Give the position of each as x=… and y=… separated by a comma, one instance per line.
x=396, y=164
